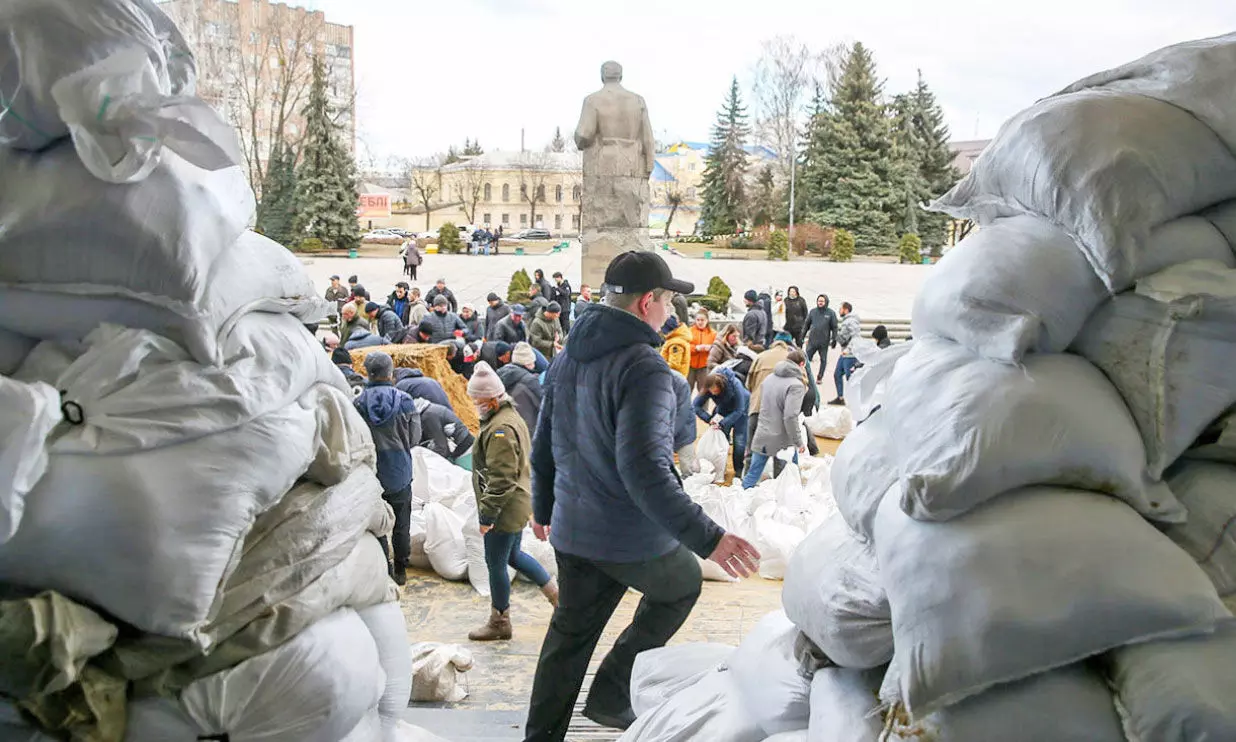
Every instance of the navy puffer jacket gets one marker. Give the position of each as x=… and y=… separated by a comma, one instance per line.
x=603, y=455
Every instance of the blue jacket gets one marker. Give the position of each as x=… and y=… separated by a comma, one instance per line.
x=396, y=428
x=414, y=382
x=603, y=455
x=731, y=405
x=684, y=421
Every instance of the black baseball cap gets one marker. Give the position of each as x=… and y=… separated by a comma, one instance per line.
x=639, y=271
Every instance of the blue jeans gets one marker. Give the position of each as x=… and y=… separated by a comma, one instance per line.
x=502, y=550
x=845, y=367
x=740, y=443
x=756, y=470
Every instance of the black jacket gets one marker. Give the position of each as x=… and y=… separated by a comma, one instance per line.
x=769, y=330
x=414, y=382
x=821, y=327
x=508, y=332
x=389, y=324
x=489, y=354
x=473, y=331
x=795, y=316
x=444, y=326
x=561, y=293
x=755, y=325
x=494, y=315
x=603, y=455
x=405, y=311
x=525, y=388
x=434, y=294
x=440, y=427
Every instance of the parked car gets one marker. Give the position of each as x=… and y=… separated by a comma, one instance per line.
x=533, y=234
x=381, y=234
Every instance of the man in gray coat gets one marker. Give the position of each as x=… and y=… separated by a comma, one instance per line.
x=781, y=399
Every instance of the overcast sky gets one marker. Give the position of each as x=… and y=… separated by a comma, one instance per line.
x=431, y=72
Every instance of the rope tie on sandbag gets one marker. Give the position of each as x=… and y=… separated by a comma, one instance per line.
x=71, y=412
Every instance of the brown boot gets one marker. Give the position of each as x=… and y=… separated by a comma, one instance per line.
x=498, y=628
x=550, y=591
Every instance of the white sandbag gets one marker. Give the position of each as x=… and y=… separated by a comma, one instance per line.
x=1184, y=240
x=1178, y=691
x=1218, y=443
x=1168, y=348
x=435, y=479
x=1105, y=167
x=13, y=350
x=660, y=673
x=710, y=571
x=1038, y=578
x=315, y=688
x=831, y=422
x=46, y=40
x=408, y=733
x=416, y=528
x=28, y=414
x=444, y=542
x=1223, y=217
x=772, y=682
x=867, y=386
x=1208, y=491
x=844, y=706
x=474, y=546
x=862, y=473
x=369, y=729
x=1018, y=285
x=136, y=390
x=833, y=594
x=390, y=634
x=437, y=670
x=541, y=551
x=796, y=736
x=708, y=709
x=714, y=449
x=168, y=526
x=979, y=428
x=776, y=543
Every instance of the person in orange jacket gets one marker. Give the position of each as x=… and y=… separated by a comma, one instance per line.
x=677, y=348
x=702, y=339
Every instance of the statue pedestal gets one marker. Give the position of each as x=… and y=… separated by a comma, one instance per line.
x=600, y=246
x=615, y=221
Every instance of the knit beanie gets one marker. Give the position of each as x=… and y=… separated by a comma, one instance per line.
x=372, y=306
x=523, y=355
x=484, y=383
x=341, y=357
x=503, y=348
x=378, y=366
x=671, y=324
x=751, y=295
x=492, y=297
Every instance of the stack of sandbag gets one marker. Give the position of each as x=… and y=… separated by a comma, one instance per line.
x=189, y=511
x=1032, y=539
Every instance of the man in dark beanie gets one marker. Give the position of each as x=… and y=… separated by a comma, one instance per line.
x=497, y=311
x=755, y=322
x=384, y=318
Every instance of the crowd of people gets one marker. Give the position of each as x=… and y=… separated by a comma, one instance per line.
x=571, y=395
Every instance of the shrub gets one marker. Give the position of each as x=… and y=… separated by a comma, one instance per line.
x=517, y=289
x=813, y=238
x=779, y=246
x=719, y=289
x=909, y=249
x=843, y=246
x=711, y=303
x=311, y=244
x=448, y=239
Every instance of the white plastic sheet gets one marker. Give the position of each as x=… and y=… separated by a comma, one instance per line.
x=1208, y=490
x=660, y=673
x=28, y=414
x=964, y=429
x=977, y=601
x=833, y=594
x=1106, y=167
x=437, y=670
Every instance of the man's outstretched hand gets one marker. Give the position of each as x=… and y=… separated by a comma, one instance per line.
x=736, y=556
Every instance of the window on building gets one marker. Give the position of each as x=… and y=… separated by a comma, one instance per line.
x=506, y=218
x=506, y=196
x=691, y=167
x=489, y=194
x=253, y=37
x=345, y=52
x=577, y=193
x=557, y=221
x=487, y=218
x=690, y=193
x=574, y=221
x=540, y=193
x=523, y=220
x=558, y=194
x=331, y=50
x=523, y=190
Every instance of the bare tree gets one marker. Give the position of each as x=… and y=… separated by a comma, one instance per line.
x=674, y=198
x=470, y=188
x=786, y=70
x=425, y=177
x=534, y=171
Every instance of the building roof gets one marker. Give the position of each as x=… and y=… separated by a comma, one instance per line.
x=512, y=160
x=660, y=174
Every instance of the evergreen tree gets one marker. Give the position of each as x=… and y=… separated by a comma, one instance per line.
x=724, y=202
x=276, y=212
x=558, y=144
x=810, y=161
x=766, y=204
x=326, y=188
x=452, y=156
x=473, y=148
x=923, y=143
x=854, y=181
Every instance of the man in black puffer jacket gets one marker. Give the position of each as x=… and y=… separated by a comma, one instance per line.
x=603, y=478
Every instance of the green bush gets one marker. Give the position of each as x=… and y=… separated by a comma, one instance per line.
x=910, y=248
x=517, y=289
x=843, y=246
x=779, y=246
x=311, y=244
x=448, y=239
x=719, y=289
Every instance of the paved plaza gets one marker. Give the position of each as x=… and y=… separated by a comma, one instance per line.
x=877, y=290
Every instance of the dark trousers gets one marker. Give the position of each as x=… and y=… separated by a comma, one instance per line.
x=753, y=422
x=503, y=550
x=845, y=367
x=401, y=503
x=695, y=379
x=822, y=351
x=589, y=593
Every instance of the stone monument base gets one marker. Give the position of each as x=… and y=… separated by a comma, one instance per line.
x=600, y=246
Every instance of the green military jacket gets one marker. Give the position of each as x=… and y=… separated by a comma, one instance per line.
x=502, y=472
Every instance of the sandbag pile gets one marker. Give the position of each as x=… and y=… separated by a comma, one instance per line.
x=189, y=511
x=1033, y=529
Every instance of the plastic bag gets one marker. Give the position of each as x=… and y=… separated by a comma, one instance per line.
x=444, y=542
x=436, y=670
x=714, y=448
x=660, y=673
x=28, y=414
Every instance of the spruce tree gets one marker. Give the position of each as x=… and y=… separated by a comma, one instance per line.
x=276, y=212
x=558, y=144
x=326, y=187
x=472, y=148
x=723, y=207
x=854, y=181
x=923, y=142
